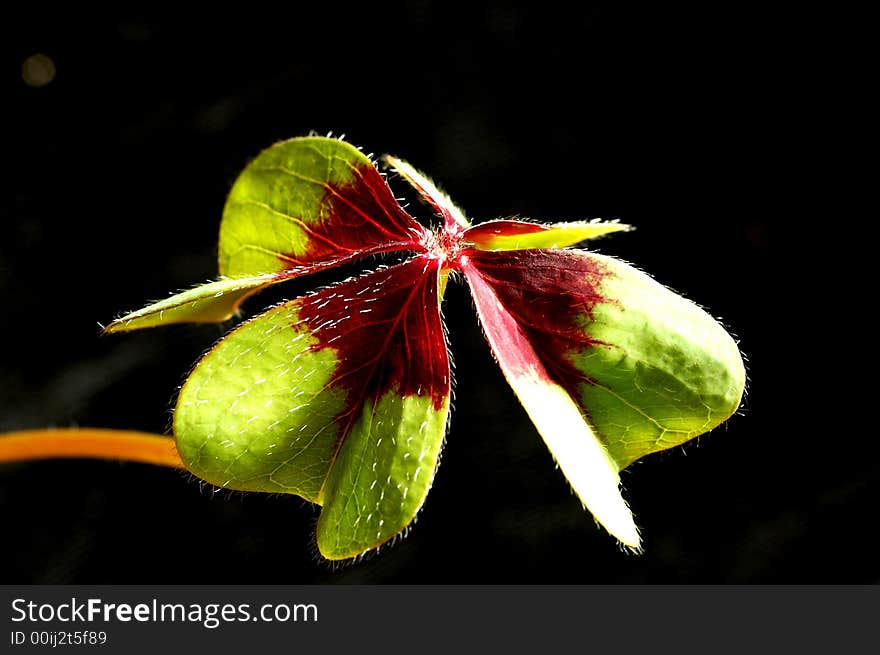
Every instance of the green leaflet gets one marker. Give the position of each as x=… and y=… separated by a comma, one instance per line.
x=504, y=234
x=382, y=474
x=648, y=368
x=340, y=397
x=300, y=206
x=609, y=364
x=210, y=303
x=310, y=201
x=256, y=413
x=664, y=372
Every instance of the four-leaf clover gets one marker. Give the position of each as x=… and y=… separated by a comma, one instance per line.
x=342, y=396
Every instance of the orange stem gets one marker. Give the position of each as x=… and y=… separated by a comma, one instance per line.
x=89, y=442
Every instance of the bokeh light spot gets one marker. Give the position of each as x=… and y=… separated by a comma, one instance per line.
x=38, y=70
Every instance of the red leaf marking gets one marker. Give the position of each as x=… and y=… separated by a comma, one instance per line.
x=357, y=219
x=387, y=333
x=507, y=338
x=546, y=294
x=503, y=227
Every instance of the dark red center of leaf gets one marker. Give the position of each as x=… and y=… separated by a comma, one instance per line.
x=550, y=294
x=387, y=333
x=358, y=219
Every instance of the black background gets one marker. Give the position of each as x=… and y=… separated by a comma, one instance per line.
x=689, y=126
